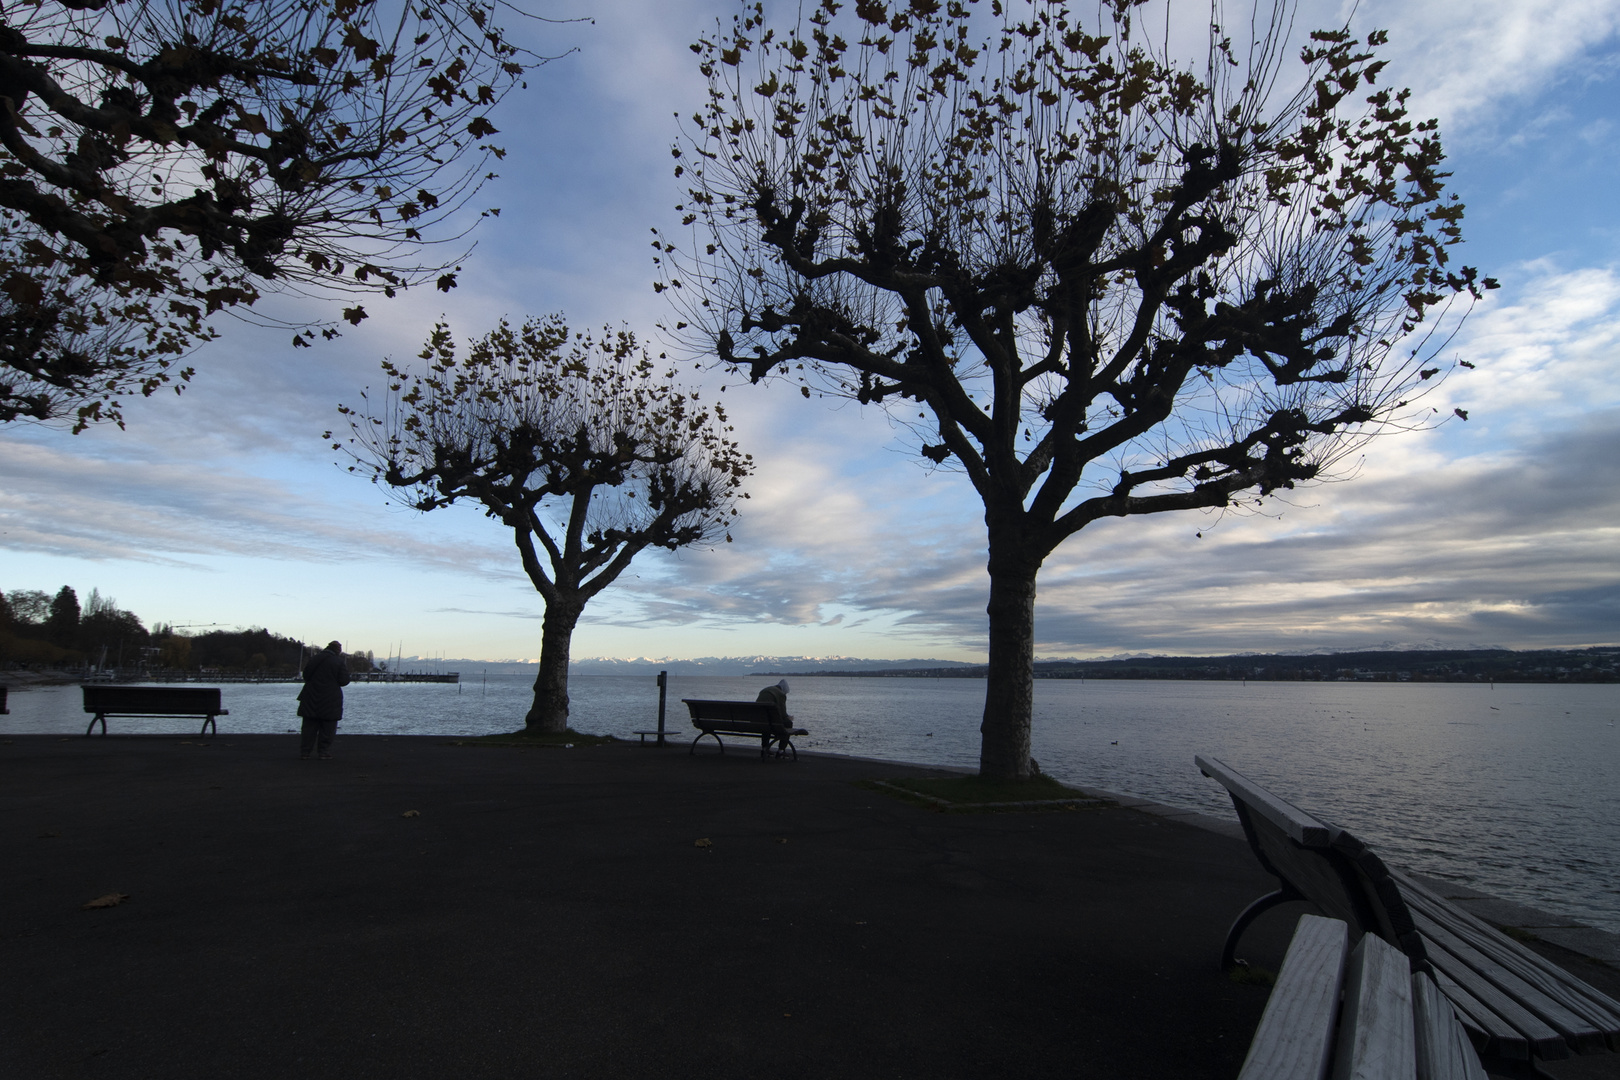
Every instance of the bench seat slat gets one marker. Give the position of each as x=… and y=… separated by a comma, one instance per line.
x=1295, y=1038
x=1495, y=1035
x=1592, y=1005
x=1467, y=965
x=1443, y=1051
x=1376, y=1027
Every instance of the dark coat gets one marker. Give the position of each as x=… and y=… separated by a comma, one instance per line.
x=325, y=676
x=775, y=695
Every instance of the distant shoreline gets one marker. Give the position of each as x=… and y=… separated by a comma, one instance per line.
x=1593, y=665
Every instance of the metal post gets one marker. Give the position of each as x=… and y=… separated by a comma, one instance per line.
x=663, y=688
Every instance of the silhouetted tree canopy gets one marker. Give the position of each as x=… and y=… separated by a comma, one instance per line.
x=62, y=626
x=165, y=160
x=105, y=626
x=581, y=446
x=1097, y=278
x=234, y=650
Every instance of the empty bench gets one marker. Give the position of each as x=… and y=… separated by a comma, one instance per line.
x=176, y=701
x=1355, y=1012
x=750, y=719
x=1517, y=1007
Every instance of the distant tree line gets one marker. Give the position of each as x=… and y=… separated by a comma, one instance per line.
x=1457, y=665
x=41, y=630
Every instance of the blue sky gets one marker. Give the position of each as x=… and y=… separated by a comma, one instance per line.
x=225, y=506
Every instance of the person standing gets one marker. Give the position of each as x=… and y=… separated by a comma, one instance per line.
x=320, y=702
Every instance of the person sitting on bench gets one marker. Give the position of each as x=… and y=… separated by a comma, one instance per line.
x=777, y=695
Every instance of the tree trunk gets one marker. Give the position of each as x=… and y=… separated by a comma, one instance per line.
x=1009, y=699
x=549, y=713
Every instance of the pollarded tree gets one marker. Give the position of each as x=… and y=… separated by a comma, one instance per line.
x=165, y=160
x=578, y=444
x=1111, y=281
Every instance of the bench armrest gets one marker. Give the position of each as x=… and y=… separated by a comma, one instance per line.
x=1301, y=827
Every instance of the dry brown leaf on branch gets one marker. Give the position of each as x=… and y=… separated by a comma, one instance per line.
x=112, y=899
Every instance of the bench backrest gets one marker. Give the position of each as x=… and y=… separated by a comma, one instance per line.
x=1333, y=869
x=734, y=712
x=158, y=700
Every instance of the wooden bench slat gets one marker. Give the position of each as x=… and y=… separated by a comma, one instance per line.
x=1443, y=1050
x=1500, y=1038
x=1376, y=1025
x=1591, y=1004
x=1578, y=998
x=1542, y=1019
x=1393, y=1024
x=1299, y=826
x=1295, y=1038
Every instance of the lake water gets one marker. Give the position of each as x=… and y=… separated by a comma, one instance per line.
x=1514, y=790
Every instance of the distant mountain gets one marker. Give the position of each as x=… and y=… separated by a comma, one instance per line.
x=703, y=665
x=1596, y=664
x=1411, y=663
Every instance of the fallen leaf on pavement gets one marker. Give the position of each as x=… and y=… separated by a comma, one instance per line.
x=705, y=842
x=411, y=813
x=112, y=899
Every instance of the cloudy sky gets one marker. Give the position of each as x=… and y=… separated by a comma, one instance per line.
x=226, y=506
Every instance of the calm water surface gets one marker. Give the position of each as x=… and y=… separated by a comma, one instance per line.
x=1514, y=790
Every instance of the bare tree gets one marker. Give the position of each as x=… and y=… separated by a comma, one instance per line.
x=165, y=160
x=1098, y=280
x=578, y=444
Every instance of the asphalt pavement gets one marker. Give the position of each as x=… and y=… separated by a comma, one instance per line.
x=417, y=908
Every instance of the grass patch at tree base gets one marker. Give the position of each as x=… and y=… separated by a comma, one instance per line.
x=1246, y=975
x=566, y=739
x=983, y=793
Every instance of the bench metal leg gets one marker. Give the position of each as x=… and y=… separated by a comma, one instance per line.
x=1283, y=895
x=208, y=723
x=102, y=719
x=709, y=733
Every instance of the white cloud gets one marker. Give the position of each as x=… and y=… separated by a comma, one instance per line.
x=1465, y=63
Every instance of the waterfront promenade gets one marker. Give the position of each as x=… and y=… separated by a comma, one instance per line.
x=547, y=913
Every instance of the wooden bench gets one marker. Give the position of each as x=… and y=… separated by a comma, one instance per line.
x=192, y=701
x=1358, y=1013
x=1517, y=1007
x=751, y=719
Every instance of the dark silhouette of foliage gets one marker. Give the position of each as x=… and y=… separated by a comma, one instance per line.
x=579, y=445
x=107, y=631
x=165, y=160
x=62, y=626
x=234, y=650
x=1096, y=279
x=26, y=609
